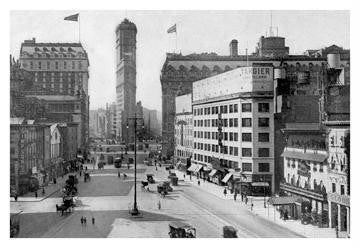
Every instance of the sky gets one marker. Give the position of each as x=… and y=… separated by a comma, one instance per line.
x=197, y=32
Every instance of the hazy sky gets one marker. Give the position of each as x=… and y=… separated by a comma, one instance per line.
x=198, y=31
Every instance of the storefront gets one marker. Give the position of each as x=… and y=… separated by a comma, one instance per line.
x=339, y=211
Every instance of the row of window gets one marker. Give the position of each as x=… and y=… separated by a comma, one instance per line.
x=262, y=167
x=229, y=136
x=181, y=153
x=208, y=159
x=232, y=122
x=292, y=164
x=263, y=107
x=245, y=152
x=42, y=65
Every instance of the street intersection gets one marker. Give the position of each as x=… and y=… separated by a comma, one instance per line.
x=108, y=198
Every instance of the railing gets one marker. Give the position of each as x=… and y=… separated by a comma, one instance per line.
x=301, y=191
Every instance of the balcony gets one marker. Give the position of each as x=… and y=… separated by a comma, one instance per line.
x=303, y=192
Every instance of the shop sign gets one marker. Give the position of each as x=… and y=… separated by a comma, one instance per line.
x=340, y=199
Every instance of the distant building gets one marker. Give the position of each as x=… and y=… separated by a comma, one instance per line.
x=125, y=78
x=111, y=121
x=183, y=129
x=152, y=124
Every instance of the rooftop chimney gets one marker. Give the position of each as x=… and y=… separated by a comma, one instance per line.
x=234, y=48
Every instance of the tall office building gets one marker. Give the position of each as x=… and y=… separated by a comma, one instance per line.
x=125, y=78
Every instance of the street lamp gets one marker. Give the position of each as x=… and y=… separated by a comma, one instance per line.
x=135, y=210
x=263, y=179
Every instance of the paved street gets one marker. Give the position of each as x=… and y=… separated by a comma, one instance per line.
x=108, y=199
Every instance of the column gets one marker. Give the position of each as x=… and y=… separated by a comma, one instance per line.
x=348, y=219
x=330, y=214
x=339, y=217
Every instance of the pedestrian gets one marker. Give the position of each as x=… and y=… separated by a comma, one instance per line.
x=159, y=205
x=286, y=215
x=85, y=220
x=252, y=206
x=43, y=191
x=16, y=197
x=225, y=192
x=93, y=220
x=184, y=175
x=246, y=199
x=36, y=195
x=80, y=172
x=337, y=231
x=155, y=167
x=82, y=220
x=198, y=182
x=235, y=195
x=118, y=174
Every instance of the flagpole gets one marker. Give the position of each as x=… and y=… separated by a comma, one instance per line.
x=79, y=28
x=176, y=37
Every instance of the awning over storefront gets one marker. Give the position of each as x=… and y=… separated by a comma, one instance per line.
x=260, y=184
x=227, y=177
x=199, y=166
x=212, y=173
x=305, y=156
x=192, y=167
x=283, y=200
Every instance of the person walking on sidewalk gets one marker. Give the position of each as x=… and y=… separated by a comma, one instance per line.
x=242, y=197
x=252, y=206
x=198, y=182
x=337, y=231
x=159, y=205
x=225, y=192
x=93, y=220
x=235, y=195
x=246, y=199
x=82, y=220
x=43, y=191
x=36, y=195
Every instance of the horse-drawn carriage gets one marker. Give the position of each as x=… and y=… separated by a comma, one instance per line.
x=181, y=230
x=67, y=206
x=150, y=178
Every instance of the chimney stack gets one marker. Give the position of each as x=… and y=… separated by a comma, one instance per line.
x=233, y=48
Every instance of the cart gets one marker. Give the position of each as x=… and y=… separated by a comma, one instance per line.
x=229, y=232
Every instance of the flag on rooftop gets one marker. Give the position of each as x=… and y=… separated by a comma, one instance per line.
x=73, y=18
x=172, y=29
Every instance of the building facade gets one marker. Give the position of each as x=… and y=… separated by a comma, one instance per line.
x=183, y=128
x=59, y=69
x=305, y=170
x=233, y=123
x=29, y=155
x=125, y=78
x=302, y=73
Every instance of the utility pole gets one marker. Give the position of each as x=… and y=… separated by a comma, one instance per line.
x=135, y=210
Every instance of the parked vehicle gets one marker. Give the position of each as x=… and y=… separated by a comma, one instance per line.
x=229, y=232
x=181, y=230
x=117, y=162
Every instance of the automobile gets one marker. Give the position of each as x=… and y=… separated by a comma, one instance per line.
x=181, y=230
x=117, y=162
x=229, y=232
x=165, y=186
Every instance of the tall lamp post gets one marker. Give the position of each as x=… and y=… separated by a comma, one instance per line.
x=135, y=210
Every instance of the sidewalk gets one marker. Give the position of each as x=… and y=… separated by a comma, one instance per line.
x=50, y=189
x=269, y=213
